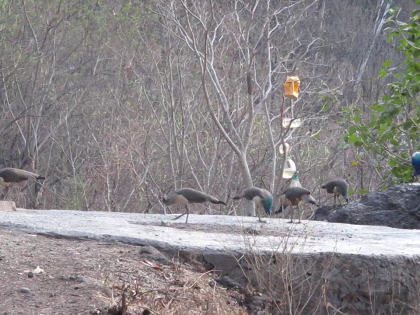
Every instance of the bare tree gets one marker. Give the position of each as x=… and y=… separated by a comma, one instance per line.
x=244, y=52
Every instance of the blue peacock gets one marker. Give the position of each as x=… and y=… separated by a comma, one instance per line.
x=415, y=161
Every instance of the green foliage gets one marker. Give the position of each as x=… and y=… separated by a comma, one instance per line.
x=393, y=131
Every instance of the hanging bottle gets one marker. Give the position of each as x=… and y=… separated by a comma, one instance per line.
x=289, y=168
x=295, y=180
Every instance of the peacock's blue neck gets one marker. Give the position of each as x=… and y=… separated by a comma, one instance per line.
x=415, y=161
x=267, y=205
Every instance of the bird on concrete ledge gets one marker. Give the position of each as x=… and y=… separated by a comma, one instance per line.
x=294, y=196
x=185, y=196
x=262, y=198
x=337, y=187
x=415, y=161
x=13, y=175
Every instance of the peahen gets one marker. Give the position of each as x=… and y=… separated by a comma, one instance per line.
x=262, y=198
x=11, y=175
x=337, y=187
x=294, y=196
x=185, y=196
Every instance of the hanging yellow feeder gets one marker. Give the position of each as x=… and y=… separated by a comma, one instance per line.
x=291, y=87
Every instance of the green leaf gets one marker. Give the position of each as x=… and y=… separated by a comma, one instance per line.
x=352, y=129
x=345, y=147
x=391, y=128
x=416, y=53
x=392, y=163
x=394, y=142
x=382, y=73
x=387, y=63
x=355, y=139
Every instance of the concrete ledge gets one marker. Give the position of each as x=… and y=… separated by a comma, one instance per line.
x=7, y=206
x=318, y=267
x=220, y=233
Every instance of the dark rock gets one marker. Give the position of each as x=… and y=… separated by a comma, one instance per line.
x=397, y=207
x=24, y=290
x=152, y=253
x=322, y=213
x=219, y=262
x=228, y=283
x=256, y=303
x=30, y=274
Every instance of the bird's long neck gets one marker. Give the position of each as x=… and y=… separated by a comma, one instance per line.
x=416, y=163
x=170, y=200
x=267, y=205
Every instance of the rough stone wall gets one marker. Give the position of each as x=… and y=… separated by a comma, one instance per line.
x=324, y=283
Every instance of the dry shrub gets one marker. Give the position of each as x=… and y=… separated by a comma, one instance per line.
x=173, y=289
x=293, y=280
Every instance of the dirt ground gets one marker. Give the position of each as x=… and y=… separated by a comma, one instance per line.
x=48, y=276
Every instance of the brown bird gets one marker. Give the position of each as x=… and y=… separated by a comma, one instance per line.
x=294, y=196
x=185, y=196
x=14, y=175
x=262, y=198
x=337, y=187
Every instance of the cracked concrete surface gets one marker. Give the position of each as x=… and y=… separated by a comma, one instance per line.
x=219, y=233
x=341, y=262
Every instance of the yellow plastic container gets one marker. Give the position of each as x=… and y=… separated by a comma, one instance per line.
x=291, y=87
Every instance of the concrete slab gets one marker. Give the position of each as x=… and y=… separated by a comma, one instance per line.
x=219, y=233
x=7, y=205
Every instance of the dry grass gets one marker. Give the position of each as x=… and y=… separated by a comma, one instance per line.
x=92, y=277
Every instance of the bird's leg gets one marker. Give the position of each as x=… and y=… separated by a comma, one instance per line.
x=257, y=211
x=5, y=191
x=312, y=216
x=188, y=213
x=261, y=221
x=339, y=200
x=291, y=218
x=181, y=215
x=185, y=213
x=299, y=213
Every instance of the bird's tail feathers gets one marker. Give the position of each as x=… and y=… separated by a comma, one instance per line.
x=312, y=200
x=280, y=210
x=41, y=177
x=314, y=203
x=217, y=202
